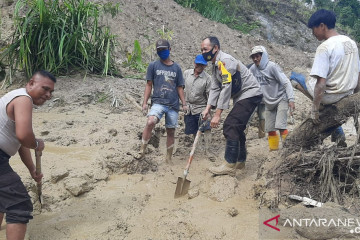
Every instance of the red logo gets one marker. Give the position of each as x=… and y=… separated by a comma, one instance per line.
x=271, y=219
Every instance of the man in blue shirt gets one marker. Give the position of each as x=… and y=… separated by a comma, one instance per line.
x=165, y=78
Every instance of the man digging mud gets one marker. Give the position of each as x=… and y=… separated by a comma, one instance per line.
x=197, y=88
x=16, y=135
x=166, y=77
x=278, y=95
x=230, y=79
x=335, y=71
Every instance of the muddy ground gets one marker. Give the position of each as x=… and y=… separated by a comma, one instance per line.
x=93, y=187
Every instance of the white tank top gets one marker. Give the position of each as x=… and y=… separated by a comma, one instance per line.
x=8, y=140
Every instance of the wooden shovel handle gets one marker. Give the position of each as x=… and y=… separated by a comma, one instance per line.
x=38, y=161
x=192, y=151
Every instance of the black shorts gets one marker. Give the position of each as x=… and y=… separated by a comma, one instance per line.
x=15, y=201
x=192, y=124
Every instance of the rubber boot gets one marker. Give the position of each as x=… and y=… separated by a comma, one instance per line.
x=338, y=136
x=261, y=129
x=141, y=154
x=273, y=139
x=284, y=134
x=169, y=152
x=231, y=156
x=240, y=164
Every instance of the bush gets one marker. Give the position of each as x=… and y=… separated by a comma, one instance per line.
x=60, y=37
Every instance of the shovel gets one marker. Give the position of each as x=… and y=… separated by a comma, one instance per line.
x=183, y=184
x=38, y=171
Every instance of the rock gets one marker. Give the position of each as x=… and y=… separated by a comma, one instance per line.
x=233, y=212
x=58, y=175
x=322, y=222
x=100, y=174
x=222, y=188
x=70, y=123
x=113, y=132
x=77, y=186
x=193, y=193
x=44, y=133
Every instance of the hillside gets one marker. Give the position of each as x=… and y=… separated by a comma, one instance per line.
x=94, y=188
x=141, y=20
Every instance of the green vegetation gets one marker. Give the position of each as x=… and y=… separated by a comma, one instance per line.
x=134, y=59
x=61, y=37
x=211, y=9
x=224, y=11
x=347, y=13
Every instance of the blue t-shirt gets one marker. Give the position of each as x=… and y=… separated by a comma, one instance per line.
x=165, y=81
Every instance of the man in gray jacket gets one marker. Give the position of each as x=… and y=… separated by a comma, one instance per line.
x=278, y=95
x=230, y=79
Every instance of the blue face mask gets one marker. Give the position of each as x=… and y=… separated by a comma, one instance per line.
x=164, y=54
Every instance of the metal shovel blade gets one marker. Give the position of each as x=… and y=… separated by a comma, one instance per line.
x=182, y=187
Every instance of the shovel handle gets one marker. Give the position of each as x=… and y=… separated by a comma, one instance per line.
x=186, y=171
x=38, y=171
x=38, y=161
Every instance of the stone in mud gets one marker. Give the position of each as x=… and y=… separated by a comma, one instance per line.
x=233, y=212
x=77, y=186
x=58, y=175
x=193, y=193
x=222, y=188
x=113, y=132
x=100, y=174
x=322, y=222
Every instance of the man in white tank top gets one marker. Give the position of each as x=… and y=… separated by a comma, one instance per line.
x=16, y=135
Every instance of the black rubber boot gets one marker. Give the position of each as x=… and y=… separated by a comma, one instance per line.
x=232, y=151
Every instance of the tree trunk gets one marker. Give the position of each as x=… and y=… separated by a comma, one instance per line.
x=332, y=116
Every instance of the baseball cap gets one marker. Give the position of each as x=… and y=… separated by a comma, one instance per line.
x=199, y=59
x=257, y=49
x=162, y=43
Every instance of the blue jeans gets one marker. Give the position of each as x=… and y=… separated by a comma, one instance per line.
x=171, y=115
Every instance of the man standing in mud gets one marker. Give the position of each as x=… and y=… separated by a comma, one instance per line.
x=197, y=88
x=16, y=135
x=167, y=79
x=335, y=71
x=230, y=79
x=278, y=95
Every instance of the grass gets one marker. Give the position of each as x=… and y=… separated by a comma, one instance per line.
x=211, y=9
x=60, y=37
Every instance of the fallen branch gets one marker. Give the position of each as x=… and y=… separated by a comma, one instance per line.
x=332, y=116
x=133, y=101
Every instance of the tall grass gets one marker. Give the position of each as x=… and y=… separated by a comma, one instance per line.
x=211, y=9
x=61, y=37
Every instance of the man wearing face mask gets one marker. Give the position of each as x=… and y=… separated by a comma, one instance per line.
x=165, y=76
x=230, y=79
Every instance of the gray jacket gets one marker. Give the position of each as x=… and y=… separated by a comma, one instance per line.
x=274, y=83
x=220, y=94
